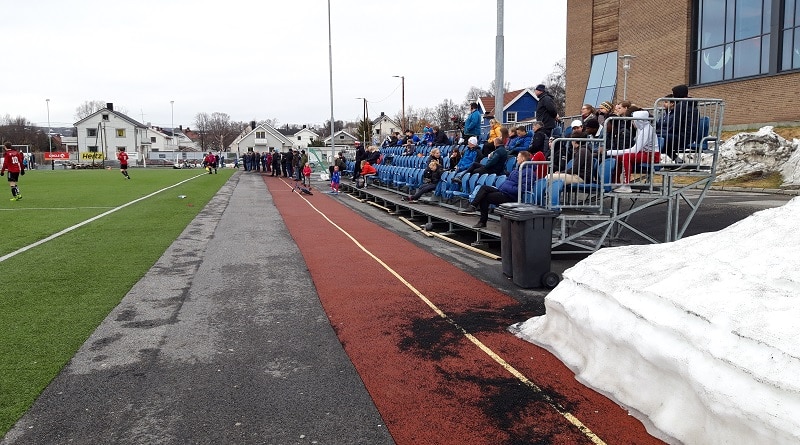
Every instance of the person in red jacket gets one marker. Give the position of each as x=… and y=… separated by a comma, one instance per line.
x=12, y=161
x=307, y=175
x=122, y=157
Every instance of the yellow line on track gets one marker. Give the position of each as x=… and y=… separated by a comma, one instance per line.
x=488, y=351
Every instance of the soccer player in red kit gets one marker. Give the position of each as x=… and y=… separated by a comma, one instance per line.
x=12, y=161
x=211, y=162
x=122, y=157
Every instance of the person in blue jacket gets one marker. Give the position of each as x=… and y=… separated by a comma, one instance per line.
x=471, y=155
x=507, y=192
x=472, y=126
x=521, y=142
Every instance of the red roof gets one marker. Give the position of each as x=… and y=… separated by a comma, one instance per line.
x=488, y=102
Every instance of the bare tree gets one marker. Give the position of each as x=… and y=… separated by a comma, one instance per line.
x=556, y=83
x=445, y=112
x=474, y=93
x=221, y=131
x=273, y=122
x=88, y=107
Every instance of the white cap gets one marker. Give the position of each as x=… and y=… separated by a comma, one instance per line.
x=576, y=123
x=473, y=140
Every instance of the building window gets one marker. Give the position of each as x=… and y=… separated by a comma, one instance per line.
x=602, y=83
x=91, y=132
x=511, y=116
x=790, y=37
x=261, y=134
x=92, y=148
x=743, y=38
x=105, y=117
x=120, y=132
x=152, y=139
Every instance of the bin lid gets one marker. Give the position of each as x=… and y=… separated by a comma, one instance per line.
x=517, y=211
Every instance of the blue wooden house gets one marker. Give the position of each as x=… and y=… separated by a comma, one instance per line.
x=519, y=106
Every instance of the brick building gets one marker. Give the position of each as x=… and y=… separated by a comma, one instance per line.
x=745, y=52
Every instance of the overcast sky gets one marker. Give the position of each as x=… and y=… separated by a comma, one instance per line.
x=264, y=59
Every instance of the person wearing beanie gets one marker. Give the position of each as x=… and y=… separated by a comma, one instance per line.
x=685, y=126
x=546, y=111
x=680, y=91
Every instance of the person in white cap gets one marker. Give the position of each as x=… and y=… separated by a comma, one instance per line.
x=472, y=155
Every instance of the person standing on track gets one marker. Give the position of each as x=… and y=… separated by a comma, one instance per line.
x=12, y=161
x=122, y=157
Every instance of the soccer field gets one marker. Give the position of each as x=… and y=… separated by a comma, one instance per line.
x=55, y=290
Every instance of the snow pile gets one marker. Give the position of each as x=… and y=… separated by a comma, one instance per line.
x=762, y=151
x=697, y=337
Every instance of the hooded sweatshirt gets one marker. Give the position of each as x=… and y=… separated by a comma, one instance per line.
x=644, y=135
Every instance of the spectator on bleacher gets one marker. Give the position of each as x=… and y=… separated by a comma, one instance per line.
x=639, y=153
x=592, y=130
x=367, y=168
x=685, y=123
x=546, y=111
x=409, y=149
x=472, y=126
x=427, y=136
x=576, y=124
x=455, y=157
x=430, y=178
x=581, y=169
x=620, y=133
x=436, y=156
x=507, y=192
x=471, y=155
x=410, y=137
x=496, y=163
x=539, y=143
x=521, y=142
x=494, y=129
x=361, y=154
x=666, y=118
x=587, y=111
x=373, y=155
x=505, y=135
x=440, y=137
x=603, y=111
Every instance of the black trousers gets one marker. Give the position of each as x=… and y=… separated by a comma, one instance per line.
x=488, y=195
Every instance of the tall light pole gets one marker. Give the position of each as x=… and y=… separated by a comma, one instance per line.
x=330, y=69
x=626, y=66
x=364, y=135
x=49, y=139
x=499, y=92
x=403, y=98
x=172, y=106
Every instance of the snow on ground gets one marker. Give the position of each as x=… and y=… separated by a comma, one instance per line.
x=698, y=338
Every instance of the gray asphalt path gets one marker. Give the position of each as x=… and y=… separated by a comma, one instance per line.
x=223, y=341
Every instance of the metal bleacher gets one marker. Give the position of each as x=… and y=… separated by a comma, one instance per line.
x=591, y=214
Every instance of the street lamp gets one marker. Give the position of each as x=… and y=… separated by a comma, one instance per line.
x=172, y=106
x=403, y=98
x=364, y=136
x=49, y=140
x=626, y=66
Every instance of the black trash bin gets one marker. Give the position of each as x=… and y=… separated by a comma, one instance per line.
x=526, y=233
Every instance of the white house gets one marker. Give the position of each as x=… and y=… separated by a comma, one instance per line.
x=304, y=137
x=160, y=140
x=102, y=133
x=261, y=138
x=341, y=137
x=382, y=127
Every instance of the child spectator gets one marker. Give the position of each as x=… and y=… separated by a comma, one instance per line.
x=307, y=175
x=430, y=179
x=336, y=177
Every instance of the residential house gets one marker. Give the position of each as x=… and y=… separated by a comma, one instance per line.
x=102, y=133
x=519, y=106
x=300, y=138
x=383, y=127
x=260, y=138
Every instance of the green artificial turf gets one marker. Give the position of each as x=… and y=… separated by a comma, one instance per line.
x=54, y=295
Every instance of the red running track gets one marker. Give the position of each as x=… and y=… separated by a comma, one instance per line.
x=430, y=341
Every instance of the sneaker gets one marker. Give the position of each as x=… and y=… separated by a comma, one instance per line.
x=14, y=198
x=412, y=201
x=623, y=189
x=479, y=225
x=471, y=210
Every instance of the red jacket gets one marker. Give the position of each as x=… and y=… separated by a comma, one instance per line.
x=368, y=169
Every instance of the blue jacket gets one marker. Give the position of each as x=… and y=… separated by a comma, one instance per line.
x=520, y=143
x=472, y=125
x=467, y=158
x=511, y=184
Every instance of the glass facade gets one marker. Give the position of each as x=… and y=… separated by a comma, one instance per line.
x=602, y=79
x=743, y=38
